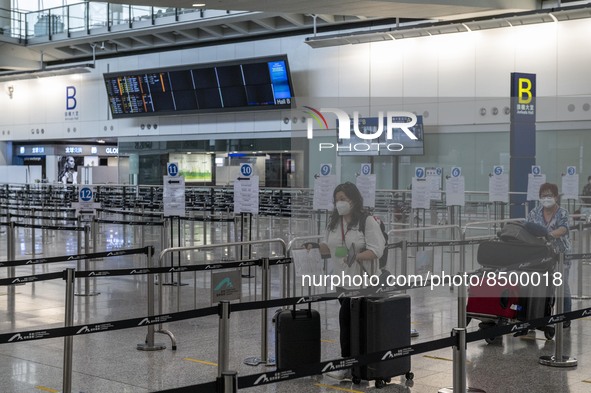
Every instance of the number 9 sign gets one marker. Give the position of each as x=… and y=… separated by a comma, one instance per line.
x=325, y=169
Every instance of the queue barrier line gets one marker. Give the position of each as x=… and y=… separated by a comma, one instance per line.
x=67, y=258
x=53, y=227
x=132, y=271
x=131, y=223
x=448, y=243
x=281, y=375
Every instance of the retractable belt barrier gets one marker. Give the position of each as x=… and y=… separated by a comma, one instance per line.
x=123, y=272
x=130, y=213
x=448, y=243
x=136, y=223
x=67, y=258
x=259, y=379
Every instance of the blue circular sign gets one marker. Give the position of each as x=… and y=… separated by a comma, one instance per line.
x=246, y=169
x=455, y=172
x=498, y=170
x=535, y=170
x=366, y=169
x=172, y=169
x=438, y=171
x=419, y=173
x=571, y=170
x=85, y=194
x=325, y=170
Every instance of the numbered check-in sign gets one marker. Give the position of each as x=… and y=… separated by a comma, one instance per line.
x=246, y=170
x=438, y=171
x=365, y=169
x=536, y=170
x=571, y=170
x=86, y=194
x=456, y=171
x=325, y=169
x=498, y=170
x=172, y=168
x=420, y=172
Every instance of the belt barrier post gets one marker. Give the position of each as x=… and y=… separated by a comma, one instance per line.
x=227, y=382
x=149, y=345
x=462, y=289
x=79, y=236
x=11, y=270
x=559, y=359
x=68, y=340
x=404, y=257
x=223, y=337
x=87, y=291
x=33, y=234
x=459, y=365
x=254, y=361
x=580, y=263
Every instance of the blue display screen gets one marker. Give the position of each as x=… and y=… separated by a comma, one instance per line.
x=280, y=82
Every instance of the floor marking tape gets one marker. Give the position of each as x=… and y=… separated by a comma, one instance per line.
x=328, y=341
x=337, y=388
x=200, y=361
x=46, y=389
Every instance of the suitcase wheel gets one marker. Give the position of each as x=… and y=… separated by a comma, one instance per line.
x=380, y=383
x=356, y=380
x=549, y=332
x=409, y=376
x=490, y=340
x=388, y=380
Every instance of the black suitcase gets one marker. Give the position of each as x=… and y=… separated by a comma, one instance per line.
x=499, y=254
x=380, y=324
x=297, y=338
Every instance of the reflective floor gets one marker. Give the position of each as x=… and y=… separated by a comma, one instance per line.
x=109, y=362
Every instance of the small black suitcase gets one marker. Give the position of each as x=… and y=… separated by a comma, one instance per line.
x=297, y=338
x=380, y=324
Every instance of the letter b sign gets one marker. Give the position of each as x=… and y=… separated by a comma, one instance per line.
x=71, y=98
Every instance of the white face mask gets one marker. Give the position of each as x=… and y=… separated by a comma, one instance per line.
x=547, y=201
x=343, y=208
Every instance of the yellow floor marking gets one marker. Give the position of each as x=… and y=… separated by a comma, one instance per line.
x=328, y=341
x=201, y=361
x=337, y=388
x=46, y=389
x=587, y=381
x=440, y=358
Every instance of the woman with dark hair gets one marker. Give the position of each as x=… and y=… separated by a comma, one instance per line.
x=554, y=218
x=355, y=248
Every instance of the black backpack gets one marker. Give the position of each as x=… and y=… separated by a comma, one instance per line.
x=384, y=257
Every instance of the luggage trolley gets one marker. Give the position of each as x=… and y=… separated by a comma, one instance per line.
x=510, y=291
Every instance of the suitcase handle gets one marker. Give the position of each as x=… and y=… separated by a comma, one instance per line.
x=293, y=312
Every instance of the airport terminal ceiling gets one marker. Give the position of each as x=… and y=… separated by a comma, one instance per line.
x=424, y=9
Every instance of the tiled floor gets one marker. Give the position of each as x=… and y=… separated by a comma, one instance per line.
x=109, y=362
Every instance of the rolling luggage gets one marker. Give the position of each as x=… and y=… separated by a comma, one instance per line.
x=500, y=301
x=297, y=337
x=379, y=324
x=499, y=254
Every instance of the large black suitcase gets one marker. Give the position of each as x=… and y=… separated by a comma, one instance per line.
x=297, y=338
x=499, y=254
x=380, y=324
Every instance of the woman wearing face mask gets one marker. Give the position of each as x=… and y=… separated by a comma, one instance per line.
x=555, y=219
x=353, y=252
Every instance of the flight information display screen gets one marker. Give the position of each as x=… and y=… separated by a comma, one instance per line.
x=262, y=83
